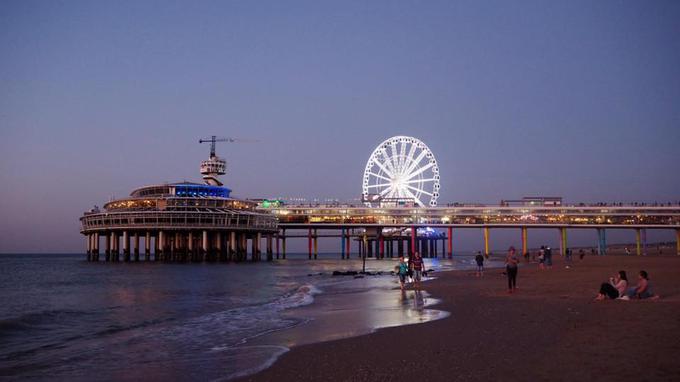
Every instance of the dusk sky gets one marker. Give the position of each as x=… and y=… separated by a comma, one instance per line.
x=579, y=99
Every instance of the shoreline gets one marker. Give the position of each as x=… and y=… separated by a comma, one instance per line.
x=490, y=334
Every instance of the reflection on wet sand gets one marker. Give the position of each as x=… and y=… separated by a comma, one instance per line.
x=335, y=316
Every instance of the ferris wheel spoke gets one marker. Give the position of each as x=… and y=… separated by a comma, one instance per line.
x=380, y=176
x=420, y=171
x=420, y=180
x=382, y=167
x=418, y=190
x=395, y=157
x=383, y=192
x=415, y=163
x=415, y=198
x=388, y=161
x=411, y=152
x=379, y=185
x=402, y=152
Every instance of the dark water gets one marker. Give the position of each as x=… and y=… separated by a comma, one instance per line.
x=64, y=318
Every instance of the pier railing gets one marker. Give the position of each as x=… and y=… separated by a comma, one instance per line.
x=155, y=220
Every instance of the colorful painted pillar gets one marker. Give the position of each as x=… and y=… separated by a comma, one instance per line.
x=342, y=242
x=602, y=241
x=677, y=241
x=638, y=246
x=381, y=241
x=450, y=242
x=316, y=244
x=525, y=241
x=486, y=241
x=414, y=239
x=563, y=241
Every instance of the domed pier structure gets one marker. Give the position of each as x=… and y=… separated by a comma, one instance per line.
x=180, y=222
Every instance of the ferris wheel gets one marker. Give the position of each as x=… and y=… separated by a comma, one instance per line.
x=401, y=168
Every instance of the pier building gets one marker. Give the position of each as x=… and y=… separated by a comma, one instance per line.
x=181, y=222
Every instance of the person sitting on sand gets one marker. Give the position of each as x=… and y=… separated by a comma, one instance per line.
x=511, y=262
x=615, y=288
x=402, y=272
x=479, y=259
x=642, y=290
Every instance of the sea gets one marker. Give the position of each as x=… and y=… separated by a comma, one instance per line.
x=63, y=318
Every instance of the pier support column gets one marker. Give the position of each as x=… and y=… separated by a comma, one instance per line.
x=381, y=244
x=277, y=245
x=191, y=252
x=601, y=242
x=414, y=240
x=232, y=245
x=563, y=241
x=218, y=246
x=638, y=247
x=136, y=246
x=258, y=238
x=126, y=246
x=400, y=247
x=156, y=246
x=677, y=241
x=270, y=252
x=348, y=240
x=115, y=247
x=525, y=242
x=449, y=239
x=204, y=245
x=342, y=243
x=316, y=244
x=486, y=242
x=107, y=246
x=147, y=246
x=309, y=242
x=88, y=238
x=96, y=246
x=283, y=244
x=162, y=246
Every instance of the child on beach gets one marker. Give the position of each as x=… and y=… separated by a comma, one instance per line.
x=402, y=272
x=480, y=264
x=615, y=288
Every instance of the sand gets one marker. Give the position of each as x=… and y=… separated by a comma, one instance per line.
x=549, y=330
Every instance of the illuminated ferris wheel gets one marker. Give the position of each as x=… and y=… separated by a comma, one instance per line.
x=401, y=168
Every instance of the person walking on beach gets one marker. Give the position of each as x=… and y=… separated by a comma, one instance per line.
x=511, y=262
x=480, y=264
x=402, y=272
x=417, y=267
x=548, y=257
x=541, y=258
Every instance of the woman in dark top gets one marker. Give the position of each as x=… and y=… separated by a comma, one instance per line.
x=511, y=262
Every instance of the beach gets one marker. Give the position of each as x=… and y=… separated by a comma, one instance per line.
x=550, y=329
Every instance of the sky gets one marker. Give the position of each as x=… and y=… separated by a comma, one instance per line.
x=577, y=99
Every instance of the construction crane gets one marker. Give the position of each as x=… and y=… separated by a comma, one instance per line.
x=214, y=139
x=215, y=166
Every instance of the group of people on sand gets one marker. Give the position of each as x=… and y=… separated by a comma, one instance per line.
x=413, y=269
x=617, y=288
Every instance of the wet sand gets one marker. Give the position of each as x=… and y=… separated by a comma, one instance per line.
x=550, y=329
